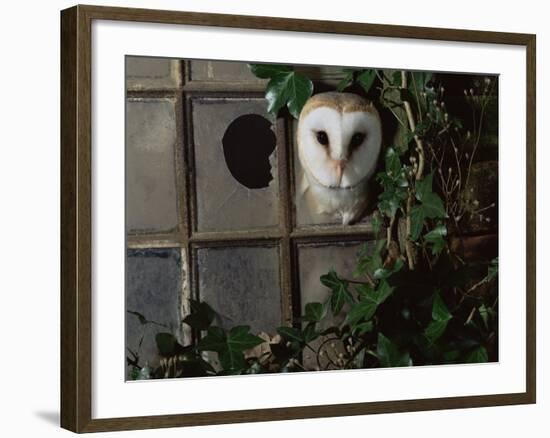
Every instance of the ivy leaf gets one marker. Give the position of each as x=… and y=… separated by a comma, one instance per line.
x=315, y=312
x=390, y=199
x=440, y=318
x=432, y=206
x=338, y=298
x=484, y=313
x=310, y=334
x=362, y=328
x=406, y=95
x=370, y=300
x=215, y=340
x=393, y=76
x=340, y=292
x=435, y=330
x=384, y=273
x=290, y=334
x=439, y=309
x=370, y=260
x=423, y=187
x=420, y=80
x=288, y=88
x=366, y=79
x=230, y=346
x=364, y=310
x=389, y=355
x=383, y=291
x=378, y=295
x=389, y=204
x=267, y=71
x=376, y=223
x=331, y=279
x=241, y=339
x=492, y=272
x=451, y=356
x=393, y=163
x=201, y=316
x=346, y=81
x=166, y=343
x=436, y=238
x=478, y=355
x=417, y=222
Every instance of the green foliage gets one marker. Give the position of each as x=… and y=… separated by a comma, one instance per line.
x=370, y=260
x=315, y=312
x=364, y=77
x=268, y=71
x=201, y=316
x=340, y=292
x=166, y=344
x=395, y=184
x=478, y=355
x=369, y=300
x=389, y=354
x=285, y=88
x=230, y=346
x=440, y=318
x=291, y=334
x=492, y=272
x=436, y=238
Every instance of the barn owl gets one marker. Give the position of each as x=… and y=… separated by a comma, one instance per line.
x=339, y=139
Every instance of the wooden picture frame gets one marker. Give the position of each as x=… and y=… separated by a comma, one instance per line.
x=76, y=218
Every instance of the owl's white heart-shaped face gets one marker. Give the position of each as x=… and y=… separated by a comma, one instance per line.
x=339, y=139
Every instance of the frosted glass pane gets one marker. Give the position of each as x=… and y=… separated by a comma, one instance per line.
x=315, y=261
x=153, y=290
x=235, y=165
x=242, y=284
x=150, y=167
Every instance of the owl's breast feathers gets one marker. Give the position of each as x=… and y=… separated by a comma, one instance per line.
x=338, y=203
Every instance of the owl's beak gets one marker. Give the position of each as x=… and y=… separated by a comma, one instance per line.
x=339, y=166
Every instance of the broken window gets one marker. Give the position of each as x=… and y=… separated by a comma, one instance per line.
x=213, y=211
x=248, y=143
x=235, y=156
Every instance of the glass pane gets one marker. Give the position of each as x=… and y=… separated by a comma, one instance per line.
x=150, y=167
x=314, y=261
x=235, y=165
x=143, y=73
x=220, y=71
x=242, y=284
x=153, y=292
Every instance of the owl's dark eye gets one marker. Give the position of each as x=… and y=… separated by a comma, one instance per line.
x=357, y=140
x=322, y=138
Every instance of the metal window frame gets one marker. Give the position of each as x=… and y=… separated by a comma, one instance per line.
x=288, y=236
